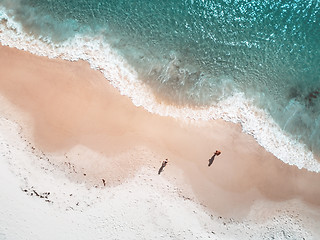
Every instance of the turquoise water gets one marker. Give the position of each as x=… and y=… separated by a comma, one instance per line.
x=198, y=53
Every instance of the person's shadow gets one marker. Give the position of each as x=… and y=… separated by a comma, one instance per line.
x=211, y=160
x=161, y=169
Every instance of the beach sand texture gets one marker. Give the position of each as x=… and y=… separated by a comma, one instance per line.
x=92, y=136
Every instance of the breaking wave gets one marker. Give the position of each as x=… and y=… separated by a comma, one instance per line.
x=234, y=106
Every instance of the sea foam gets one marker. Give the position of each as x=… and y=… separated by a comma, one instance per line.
x=120, y=74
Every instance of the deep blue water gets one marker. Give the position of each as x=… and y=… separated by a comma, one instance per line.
x=197, y=53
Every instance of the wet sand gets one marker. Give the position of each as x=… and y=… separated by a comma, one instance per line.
x=63, y=105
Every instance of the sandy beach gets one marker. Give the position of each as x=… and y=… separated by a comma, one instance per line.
x=80, y=134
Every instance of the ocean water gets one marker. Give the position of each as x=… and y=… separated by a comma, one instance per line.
x=252, y=62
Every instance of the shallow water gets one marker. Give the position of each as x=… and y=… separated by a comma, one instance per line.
x=204, y=53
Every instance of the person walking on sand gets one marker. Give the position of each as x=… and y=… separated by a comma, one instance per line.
x=164, y=163
x=217, y=153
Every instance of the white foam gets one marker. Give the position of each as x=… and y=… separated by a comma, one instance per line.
x=121, y=75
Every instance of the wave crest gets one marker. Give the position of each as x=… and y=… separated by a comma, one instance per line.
x=236, y=108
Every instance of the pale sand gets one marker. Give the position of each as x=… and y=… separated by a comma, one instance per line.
x=66, y=106
x=38, y=201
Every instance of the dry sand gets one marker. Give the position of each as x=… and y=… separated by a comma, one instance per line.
x=72, y=114
x=38, y=202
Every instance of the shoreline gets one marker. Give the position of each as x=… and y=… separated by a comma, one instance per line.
x=63, y=105
x=123, y=77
